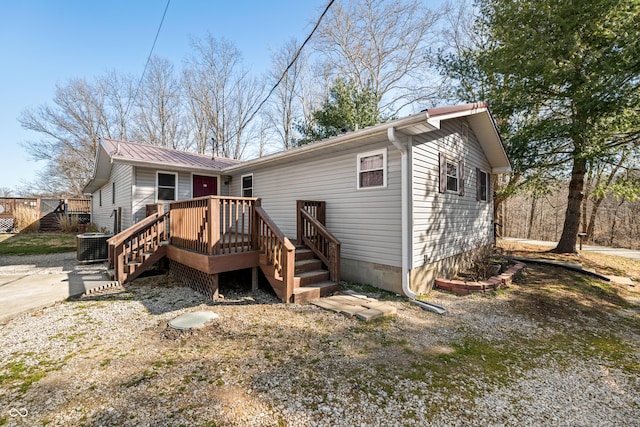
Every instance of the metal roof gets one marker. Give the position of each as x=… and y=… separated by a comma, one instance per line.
x=151, y=154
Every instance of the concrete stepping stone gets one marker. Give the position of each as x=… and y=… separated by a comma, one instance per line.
x=193, y=320
x=362, y=307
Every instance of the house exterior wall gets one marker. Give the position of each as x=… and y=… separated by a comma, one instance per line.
x=367, y=222
x=447, y=229
x=102, y=214
x=145, y=189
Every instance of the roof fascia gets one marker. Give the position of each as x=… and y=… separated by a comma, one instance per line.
x=346, y=138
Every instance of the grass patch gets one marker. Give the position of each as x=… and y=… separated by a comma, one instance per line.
x=37, y=243
x=19, y=376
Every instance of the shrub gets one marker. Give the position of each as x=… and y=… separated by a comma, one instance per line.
x=67, y=224
x=26, y=219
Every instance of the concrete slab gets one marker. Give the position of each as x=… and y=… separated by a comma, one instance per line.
x=369, y=314
x=34, y=282
x=353, y=305
x=352, y=310
x=193, y=320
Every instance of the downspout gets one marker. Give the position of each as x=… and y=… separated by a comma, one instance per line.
x=405, y=251
x=404, y=210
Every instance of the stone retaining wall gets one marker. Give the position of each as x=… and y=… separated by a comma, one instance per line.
x=461, y=287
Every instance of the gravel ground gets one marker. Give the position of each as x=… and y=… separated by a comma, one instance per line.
x=509, y=358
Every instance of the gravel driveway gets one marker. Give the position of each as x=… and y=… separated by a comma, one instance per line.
x=515, y=357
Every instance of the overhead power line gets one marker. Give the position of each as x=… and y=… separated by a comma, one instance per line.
x=293, y=61
x=135, y=94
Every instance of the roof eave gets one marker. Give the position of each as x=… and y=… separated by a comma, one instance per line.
x=400, y=124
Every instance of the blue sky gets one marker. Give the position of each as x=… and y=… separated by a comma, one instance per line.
x=46, y=42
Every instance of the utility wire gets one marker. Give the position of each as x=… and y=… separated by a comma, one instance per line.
x=135, y=94
x=293, y=61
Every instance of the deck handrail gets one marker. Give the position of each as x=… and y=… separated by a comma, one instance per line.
x=129, y=248
x=213, y=225
x=277, y=248
x=319, y=239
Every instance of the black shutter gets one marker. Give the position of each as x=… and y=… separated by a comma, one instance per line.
x=461, y=177
x=478, y=185
x=443, y=173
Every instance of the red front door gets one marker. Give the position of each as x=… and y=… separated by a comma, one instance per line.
x=205, y=186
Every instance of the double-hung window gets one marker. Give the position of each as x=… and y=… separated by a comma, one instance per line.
x=247, y=185
x=451, y=175
x=166, y=186
x=372, y=169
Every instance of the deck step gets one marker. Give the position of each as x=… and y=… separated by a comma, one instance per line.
x=315, y=291
x=312, y=277
x=304, y=253
x=307, y=265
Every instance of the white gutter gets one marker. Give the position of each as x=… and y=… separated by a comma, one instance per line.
x=405, y=251
x=404, y=210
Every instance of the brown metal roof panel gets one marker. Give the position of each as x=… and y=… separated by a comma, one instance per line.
x=149, y=153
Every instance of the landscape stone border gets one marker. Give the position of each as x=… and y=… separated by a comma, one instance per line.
x=462, y=287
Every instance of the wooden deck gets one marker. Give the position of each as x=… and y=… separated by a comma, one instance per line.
x=206, y=236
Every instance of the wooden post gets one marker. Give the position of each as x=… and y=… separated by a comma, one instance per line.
x=255, y=223
x=215, y=284
x=288, y=268
x=214, y=225
x=299, y=207
x=254, y=279
x=320, y=212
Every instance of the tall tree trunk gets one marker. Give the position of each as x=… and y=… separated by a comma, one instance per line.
x=531, y=216
x=567, y=243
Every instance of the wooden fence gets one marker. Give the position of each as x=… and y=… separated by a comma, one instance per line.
x=41, y=210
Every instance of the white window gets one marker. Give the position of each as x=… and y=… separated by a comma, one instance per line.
x=247, y=185
x=167, y=184
x=372, y=169
x=451, y=175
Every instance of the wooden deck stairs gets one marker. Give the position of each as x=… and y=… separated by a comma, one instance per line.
x=208, y=236
x=311, y=280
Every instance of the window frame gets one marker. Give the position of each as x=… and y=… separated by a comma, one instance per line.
x=359, y=171
x=243, y=188
x=113, y=193
x=456, y=177
x=443, y=186
x=479, y=185
x=175, y=186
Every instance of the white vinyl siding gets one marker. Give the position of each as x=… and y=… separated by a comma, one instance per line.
x=120, y=180
x=366, y=222
x=446, y=224
x=145, y=190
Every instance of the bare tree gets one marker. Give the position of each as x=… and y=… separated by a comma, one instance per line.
x=230, y=93
x=384, y=46
x=197, y=123
x=70, y=129
x=158, y=118
x=118, y=95
x=287, y=103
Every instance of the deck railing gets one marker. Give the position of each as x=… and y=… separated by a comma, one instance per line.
x=277, y=248
x=213, y=225
x=129, y=249
x=312, y=232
